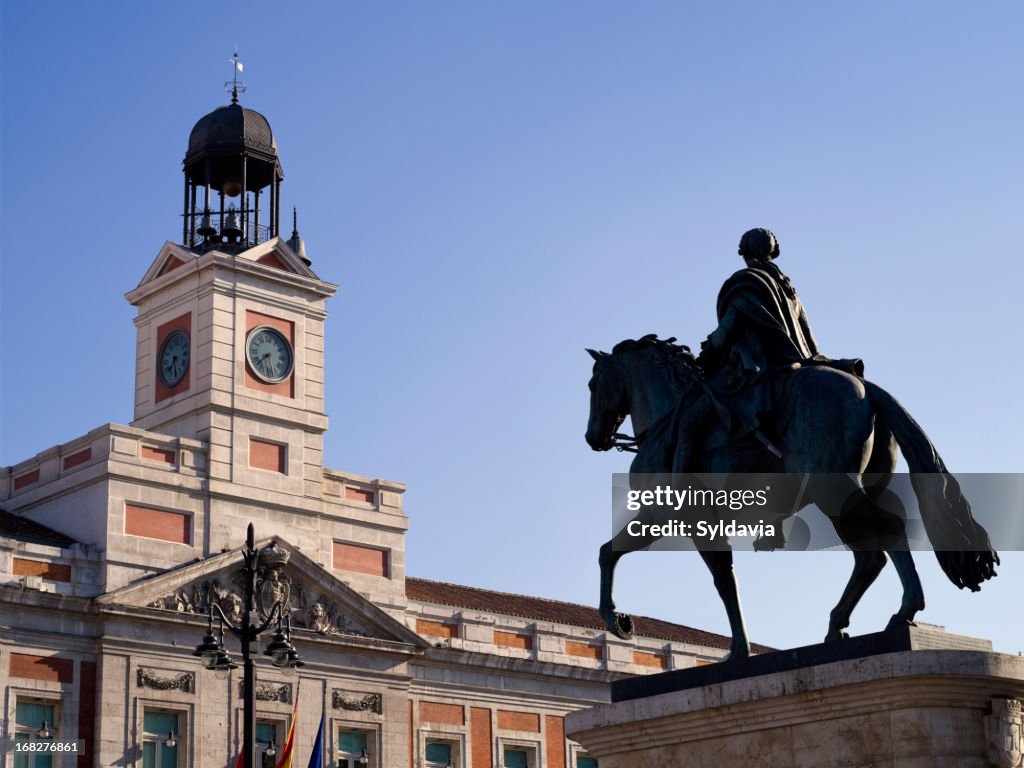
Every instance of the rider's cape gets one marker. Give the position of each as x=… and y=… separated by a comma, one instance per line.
x=771, y=333
x=771, y=312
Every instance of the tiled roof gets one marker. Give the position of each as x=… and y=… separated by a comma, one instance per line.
x=540, y=609
x=24, y=529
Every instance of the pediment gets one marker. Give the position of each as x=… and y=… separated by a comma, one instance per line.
x=276, y=253
x=170, y=257
x=316, y=600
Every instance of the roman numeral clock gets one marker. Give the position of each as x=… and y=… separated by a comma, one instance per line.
x=269, y=354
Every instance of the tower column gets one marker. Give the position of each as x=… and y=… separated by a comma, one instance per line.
x=184, y=223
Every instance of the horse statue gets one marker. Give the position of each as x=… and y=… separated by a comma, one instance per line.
x=836, y=430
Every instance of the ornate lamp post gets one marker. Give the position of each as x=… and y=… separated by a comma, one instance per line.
x=259, y=567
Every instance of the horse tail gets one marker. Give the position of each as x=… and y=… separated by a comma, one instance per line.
x=961, y=544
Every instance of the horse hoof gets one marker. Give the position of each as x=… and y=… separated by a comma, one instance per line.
x=898, y=622
x=736, y=655
x=836, y=635
x=623, y=626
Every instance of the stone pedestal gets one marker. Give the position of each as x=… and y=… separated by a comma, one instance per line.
x=907, y=699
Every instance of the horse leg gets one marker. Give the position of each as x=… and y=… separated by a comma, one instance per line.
x=619, y=623
x=868, y=529
x=866, y=567
x=879, y=470
x=720, y=565
x=913, y=592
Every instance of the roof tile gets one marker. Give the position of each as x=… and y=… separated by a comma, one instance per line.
x=542, y=609
x=24, y=529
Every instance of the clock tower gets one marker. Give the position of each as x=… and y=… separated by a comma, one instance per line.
x=230, y=320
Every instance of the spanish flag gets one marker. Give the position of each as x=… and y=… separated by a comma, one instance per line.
x=289, y=745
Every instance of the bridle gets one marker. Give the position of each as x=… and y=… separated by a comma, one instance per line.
x=620, y=441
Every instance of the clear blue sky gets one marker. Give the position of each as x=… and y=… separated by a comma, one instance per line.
x=496, y=187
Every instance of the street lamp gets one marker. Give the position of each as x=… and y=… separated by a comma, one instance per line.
x=214, y=656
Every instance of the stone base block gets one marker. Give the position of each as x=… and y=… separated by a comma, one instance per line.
x=935, y=708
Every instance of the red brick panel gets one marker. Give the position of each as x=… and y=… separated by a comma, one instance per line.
x=445, y=714
x=77, y=458
x=87, y=712
x=583, y=650
x=513, y=640
x=480, y=733
x=26, y=479
x=359, y=494
x=284, y=388
x=184, y=323
x=266, y=455
x=48, y=668
x=555, y=741
x=271, y=260
x=149, y=453
x=436, y=629
x=352, y=557
x=653, y=660
x=157, y=524
x=172, y=263
x=49, y=571
x=518, y=721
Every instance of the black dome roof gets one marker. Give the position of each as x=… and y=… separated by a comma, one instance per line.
x=232, y=127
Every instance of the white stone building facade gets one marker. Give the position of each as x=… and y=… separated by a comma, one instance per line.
x=114, y=544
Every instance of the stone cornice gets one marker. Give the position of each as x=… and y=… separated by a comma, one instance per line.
x=907, y=679
x=445, y=658
x=232, y=263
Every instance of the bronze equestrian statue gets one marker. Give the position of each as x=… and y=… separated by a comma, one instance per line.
x=761, y=398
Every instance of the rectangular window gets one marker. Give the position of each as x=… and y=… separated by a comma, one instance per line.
x=161, y=747
x=353, y=749
x=267, y=745
x=439, y=754
x=582, y=761
x=34, y=721
x=516, y=757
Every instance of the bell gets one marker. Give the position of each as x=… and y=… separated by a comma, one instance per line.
x=232, y=224
x=232, y=188
x=206, y=228
x=298, y=247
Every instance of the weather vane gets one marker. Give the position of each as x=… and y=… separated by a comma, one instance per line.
x=235, y=85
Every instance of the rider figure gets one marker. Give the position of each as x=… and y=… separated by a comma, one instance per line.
x=762, y=330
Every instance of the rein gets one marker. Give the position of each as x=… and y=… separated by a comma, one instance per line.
x=621, y=442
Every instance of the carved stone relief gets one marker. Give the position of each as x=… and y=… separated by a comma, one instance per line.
x=279, y=692
x=1004, y=732
x=357, y=702
x=151, y=678
x=308, y=608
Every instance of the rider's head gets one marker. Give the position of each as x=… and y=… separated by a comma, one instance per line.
x=759, y=245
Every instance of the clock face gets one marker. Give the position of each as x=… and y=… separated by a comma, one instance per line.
x=269, y=354
x=173, y=357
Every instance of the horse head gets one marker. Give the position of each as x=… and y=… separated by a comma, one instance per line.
x=609, y=403
x=642, y=378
